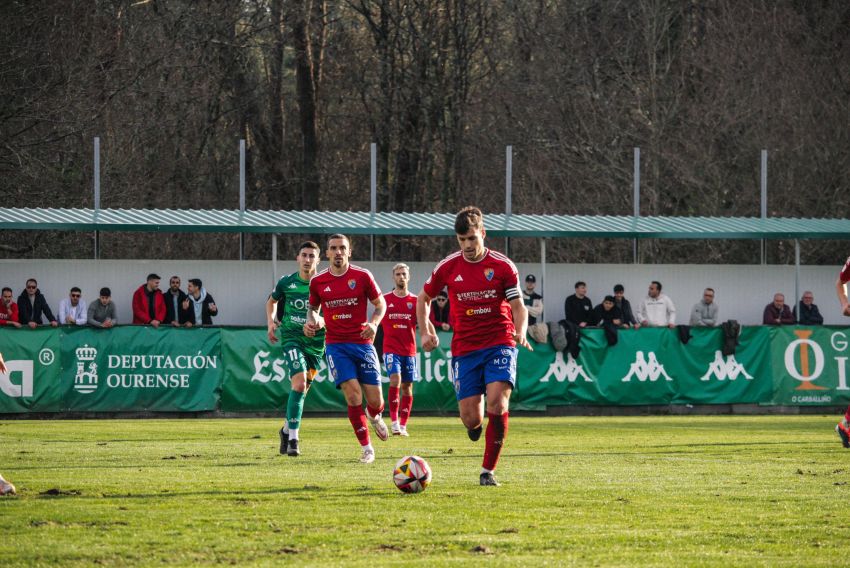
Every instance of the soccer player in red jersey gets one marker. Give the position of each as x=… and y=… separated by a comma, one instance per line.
x=490, y=320
x=399, y=327
x=843, y=427
x=343, y=291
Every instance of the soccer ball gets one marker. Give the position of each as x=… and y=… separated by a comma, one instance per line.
x=412, y=474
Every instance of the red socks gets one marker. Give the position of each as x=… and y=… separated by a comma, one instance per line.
x=497, y=430
x=372, y=412
x=404, y=412
x=847, y=414
x=358, y=421
x=393, y=396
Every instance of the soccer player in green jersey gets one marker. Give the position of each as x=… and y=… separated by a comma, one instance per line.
x=303, y=347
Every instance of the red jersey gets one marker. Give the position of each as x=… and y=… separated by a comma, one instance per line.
x=844, y=276
x=479, y=293
x=344, y=300
x=399, y=325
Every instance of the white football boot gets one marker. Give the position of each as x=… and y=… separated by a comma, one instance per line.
x=6, y=488
x=380, y=427
x=368, y=455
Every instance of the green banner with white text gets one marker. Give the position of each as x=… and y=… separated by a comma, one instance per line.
x=139, y=368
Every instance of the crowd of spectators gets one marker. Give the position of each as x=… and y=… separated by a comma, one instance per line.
x=196, y=307
x=150, y=306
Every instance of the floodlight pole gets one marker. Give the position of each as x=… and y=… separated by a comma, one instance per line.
x=242, y=196
x=763, y=201
x=96, y=195
x=509, y=170
x=373, y=193
x=636, y=201
x=797, y=277
x=274, y=259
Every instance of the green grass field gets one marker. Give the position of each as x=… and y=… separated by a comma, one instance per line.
x=662, y=491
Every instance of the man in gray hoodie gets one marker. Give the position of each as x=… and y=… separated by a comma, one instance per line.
x=705, y=311
x=199, y=305
x=657, y=309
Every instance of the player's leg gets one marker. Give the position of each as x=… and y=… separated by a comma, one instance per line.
x=344, y=372
x=294, y=410
x=468, y=377
x=369, y=375
x=408, y=377
x=393, y=366
x=6, y=488
x=843, y=429
x=500, y=377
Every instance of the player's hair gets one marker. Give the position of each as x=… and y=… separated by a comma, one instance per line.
x=401, y=265
x=308, y=245
x=75, y=289
x=338, y=236
x=196, y=282
x=468, y=219
x=657, y=284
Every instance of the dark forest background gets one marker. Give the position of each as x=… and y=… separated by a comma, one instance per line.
x=442, y=86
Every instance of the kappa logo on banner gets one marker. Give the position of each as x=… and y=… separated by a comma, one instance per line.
x=722, y=369
x=643, y=369
x=23, y=390
x=568, y=370
x=85, y=381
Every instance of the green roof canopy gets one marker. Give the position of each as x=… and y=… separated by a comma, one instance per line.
x=364, y=223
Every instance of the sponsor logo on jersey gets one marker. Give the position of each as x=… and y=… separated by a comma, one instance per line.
x=477, y=295
x=341, y=316
x=293, y=285
x=488, y=273
x=458, y=278
x=722, y=369
x=352, y=283
x=646, y=369
x=478, y=311
x=397, y=316
x=341, y=302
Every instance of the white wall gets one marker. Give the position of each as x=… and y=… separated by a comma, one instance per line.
x=241, y=288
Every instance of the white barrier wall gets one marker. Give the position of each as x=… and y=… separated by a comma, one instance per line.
x=240, y=289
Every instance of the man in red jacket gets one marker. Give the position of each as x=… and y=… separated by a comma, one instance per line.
x=149, y=303
x=8, y=309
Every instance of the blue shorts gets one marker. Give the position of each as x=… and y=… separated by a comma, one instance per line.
x=403, y=365
x=350, y=361
x=475, y=370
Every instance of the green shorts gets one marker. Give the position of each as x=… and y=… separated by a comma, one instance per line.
x=299, y=362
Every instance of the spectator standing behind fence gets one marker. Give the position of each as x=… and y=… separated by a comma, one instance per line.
x=532, y=300
x=625, y=307
x=578, y=308
x=102, y=313
x=440, y=312
x=809, y=313
x=32, y=306
x=8, y=309
x=149, y=303
x=72, y=310
x=174, y=297
x=777, y=312
x=657, y=309
x=199, y=305
x=607, y=313
x=705, y=312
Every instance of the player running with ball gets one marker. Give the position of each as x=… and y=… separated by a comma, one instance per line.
x=343, y=291
x=489, y=319
x=302, y=346
x=399, y=327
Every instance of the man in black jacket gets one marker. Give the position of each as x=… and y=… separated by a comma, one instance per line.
x=625, y=307
x=809, y=314
x=200, y=306
x=32, y=306
x=578, y=308
x=174, y=298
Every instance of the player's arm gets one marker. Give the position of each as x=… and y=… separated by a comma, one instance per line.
x=841, y=291
x=427, y=332
x=370, y=328
x=271, y=308
x=315, y=322
x=520, y=317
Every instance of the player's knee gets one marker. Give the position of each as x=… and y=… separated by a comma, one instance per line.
x=407, y=389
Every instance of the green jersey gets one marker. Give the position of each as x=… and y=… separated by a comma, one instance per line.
x=294, y=292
